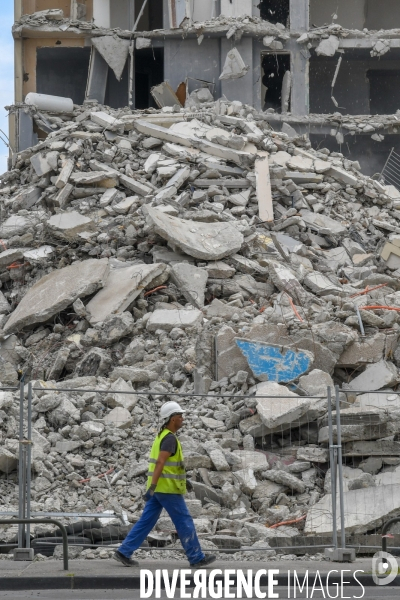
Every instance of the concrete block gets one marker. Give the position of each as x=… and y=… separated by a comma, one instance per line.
x=191, y=281
x=168, y=319
x=69, y=224
x=345, y=555
x=24, y=554
x=282, y=408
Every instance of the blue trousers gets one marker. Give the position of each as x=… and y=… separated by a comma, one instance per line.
x=176, y=507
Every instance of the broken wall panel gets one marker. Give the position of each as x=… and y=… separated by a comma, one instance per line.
x=187, y=59
x=274, y=11
x=241, y=89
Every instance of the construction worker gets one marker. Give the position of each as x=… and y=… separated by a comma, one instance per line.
x=166, y=485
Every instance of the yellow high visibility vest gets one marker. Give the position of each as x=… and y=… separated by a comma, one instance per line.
x=173, y=476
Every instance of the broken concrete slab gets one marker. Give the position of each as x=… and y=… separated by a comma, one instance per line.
x=119, y=417
x=282, y=409
x=26, y=198
x=375, y=377
x=9, y=256
x=257, y=461
x=230, y=359
x=56, y=291
x=321, y=285
x=15, y=225
x=114, y=50
x=263, y=189
x=191, y=281
x=65, y=174
x=364, y=509
x=69, y=224
x=122, y=287
x=270, y=362
x=364, y=351
x=168, y=319
x=323, y=224
x=208, y=241
x=316, y=383
x=106, y=120
x=372, y=448
x=234, y=67
x=8, y=461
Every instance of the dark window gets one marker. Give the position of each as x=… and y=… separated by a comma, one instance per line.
x=117, y=91
x=62, y=72
x=384, y=91
x=149, y=71
x=275, y=11
x=274, y=67
x=152, y=17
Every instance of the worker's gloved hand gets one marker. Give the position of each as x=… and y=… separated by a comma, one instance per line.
x=189, y=485
x=150, y=493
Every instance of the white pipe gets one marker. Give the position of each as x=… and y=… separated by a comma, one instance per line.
x=51, y=103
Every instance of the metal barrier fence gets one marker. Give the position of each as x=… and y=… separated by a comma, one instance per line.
x=256, y=475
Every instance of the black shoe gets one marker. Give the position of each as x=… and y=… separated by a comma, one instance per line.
x=127, y=562
x=207, y=560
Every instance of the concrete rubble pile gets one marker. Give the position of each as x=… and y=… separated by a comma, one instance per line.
x=196, y=250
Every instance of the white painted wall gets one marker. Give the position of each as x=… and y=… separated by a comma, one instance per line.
x=351, y=13
x=237, y=8
x=202, y=10
x=101, y=13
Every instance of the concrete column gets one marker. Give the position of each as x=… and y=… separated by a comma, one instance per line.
x=299, y=15
x=18, y=70
x=299, y=22
x=18, y=10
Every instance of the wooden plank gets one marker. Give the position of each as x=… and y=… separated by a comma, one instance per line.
x=263, y=188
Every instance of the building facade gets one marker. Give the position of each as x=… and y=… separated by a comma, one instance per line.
x=313, y=60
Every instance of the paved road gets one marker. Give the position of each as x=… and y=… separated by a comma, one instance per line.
x=371, y=593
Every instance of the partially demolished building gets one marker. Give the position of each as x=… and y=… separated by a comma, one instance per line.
x=314, y=60
x=203, y=251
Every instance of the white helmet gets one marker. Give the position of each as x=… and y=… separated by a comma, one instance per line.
x=170, y=408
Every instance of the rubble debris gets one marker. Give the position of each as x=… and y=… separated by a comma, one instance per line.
x=114, y=51
x=195, y=250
